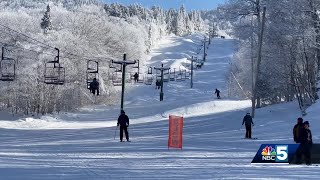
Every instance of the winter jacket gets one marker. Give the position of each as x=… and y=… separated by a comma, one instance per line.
x=306, y=136
x=123, y=120
x=297, y=130
x=94, y=84
x=247, y=120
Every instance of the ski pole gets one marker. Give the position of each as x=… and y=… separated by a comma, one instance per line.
x=115, y=132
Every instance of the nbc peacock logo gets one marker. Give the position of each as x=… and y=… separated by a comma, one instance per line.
x=268, y=153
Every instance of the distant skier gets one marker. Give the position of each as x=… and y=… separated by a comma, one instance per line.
x=123, y=121
x=158, y=84
x=297, y=130
x=94, y=86
x=136, y=77
x=218, y=93
x=306, y=144
x=247, y=120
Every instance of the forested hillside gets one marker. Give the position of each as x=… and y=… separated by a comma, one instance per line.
x=82, y=30
x=290, y=56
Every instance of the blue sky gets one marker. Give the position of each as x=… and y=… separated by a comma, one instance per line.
x=166, y=4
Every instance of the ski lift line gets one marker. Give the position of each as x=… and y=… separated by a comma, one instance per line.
x=26, y=36
x=31, y=50
x=63, y=57
x=63, y=52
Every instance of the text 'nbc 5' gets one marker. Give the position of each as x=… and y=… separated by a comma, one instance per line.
x=275, y=153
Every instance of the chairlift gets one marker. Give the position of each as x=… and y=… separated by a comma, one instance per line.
x=184, y=74
x=172, y=75
x=140, y=77
x=92, y=71
x=127, y=78
x=181, y=75
x=54, y=73
x=166, y=75
x=111, y=65
x=158, y=75
x=116, y=78
x=7, y=68
x=150, y=70
x=148, y=79
x=188, y=74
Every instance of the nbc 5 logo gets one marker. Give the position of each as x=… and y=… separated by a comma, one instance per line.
x=282, y=153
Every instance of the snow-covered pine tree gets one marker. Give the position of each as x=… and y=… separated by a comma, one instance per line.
x=46, y=21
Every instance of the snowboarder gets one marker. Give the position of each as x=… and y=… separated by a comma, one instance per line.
x=305, y=145
x=94, y=86
x=297, y=129
x=247, y=120
x=218, y=93
x=136, y=77
x=123, y=121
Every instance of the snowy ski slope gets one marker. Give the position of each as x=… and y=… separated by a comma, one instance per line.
x=82, y=146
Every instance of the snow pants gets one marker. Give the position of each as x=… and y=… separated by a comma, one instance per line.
x=248, y=131
x=125, y=129
x=305, y=150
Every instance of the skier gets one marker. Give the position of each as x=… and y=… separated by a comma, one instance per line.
x=94, y=86
x=218, y=93
x=306, y=144
x=136, y=77
x=247, y=120
x=158, y=84
x=123, y=121
x=297, y=129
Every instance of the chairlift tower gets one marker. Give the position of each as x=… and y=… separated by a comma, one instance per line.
x=123, y=63
x=192, y=60
x=161, y=69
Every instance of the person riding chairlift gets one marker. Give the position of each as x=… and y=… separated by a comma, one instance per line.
x=94, y=86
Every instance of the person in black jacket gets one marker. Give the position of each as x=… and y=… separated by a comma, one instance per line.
x=247, y=120
x=297, y=130
x=123, y=121
x=305, y=144
x=218, y=93
x=94, y=86
x=136, y=77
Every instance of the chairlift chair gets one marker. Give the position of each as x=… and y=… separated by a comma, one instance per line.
x=183, y=75
x=188, y=74
x=150, y=70
x=54, y=73
x=158, y=75
x=172, y=75
x=166, y=75
x=148, y=77
x=116, y=78
x=128, y=78
x=92, y=71
x=8, y=69
x=179, y=76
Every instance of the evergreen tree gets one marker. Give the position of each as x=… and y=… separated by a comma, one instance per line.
x=46, y=21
